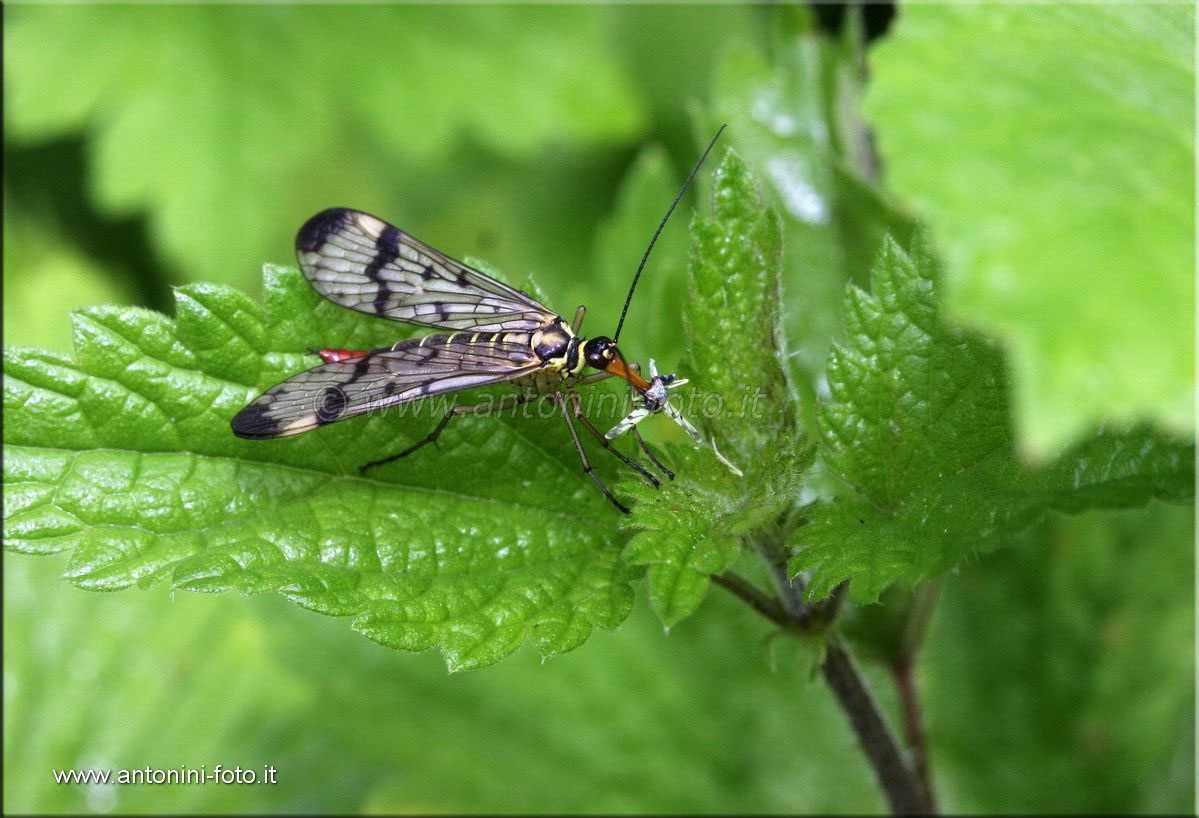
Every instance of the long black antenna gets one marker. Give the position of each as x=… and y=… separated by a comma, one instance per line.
x=629, y=298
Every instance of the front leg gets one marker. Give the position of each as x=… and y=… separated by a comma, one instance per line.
x=649, y=453
x=577, y=406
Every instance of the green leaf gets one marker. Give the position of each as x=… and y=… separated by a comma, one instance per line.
x=193, y=679
x=917, y=428
x=177, y=678
x=1080, y=649
x=731, y=321
x=1051, y=149
x=699, y=524
x=777, y=122
x=696, y=525
x=794, y=118
x=123, y=455
x=193, y=112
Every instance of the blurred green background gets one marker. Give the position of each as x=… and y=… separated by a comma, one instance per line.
x=150, y=146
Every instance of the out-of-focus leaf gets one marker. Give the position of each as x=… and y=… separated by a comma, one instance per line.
x=121, y=683
x=1060, y=676
x=671, y=49
x=170, y=679
x=192, y=114
x=43, y=281
x=1052, y=151
x=655, y=323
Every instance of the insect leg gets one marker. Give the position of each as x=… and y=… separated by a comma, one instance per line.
x=574, y=435
x=577, y=405
x=506, y=402
x=578, y=322
x=649, y=453
x=594, y=378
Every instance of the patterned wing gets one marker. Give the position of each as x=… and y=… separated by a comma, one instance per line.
x=412, y=369
x=364, y=263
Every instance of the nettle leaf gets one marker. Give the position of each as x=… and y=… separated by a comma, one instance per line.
x=918, y=428
x=697, y=525
x=122, y=455
x=1052, y=150
x=795, y=118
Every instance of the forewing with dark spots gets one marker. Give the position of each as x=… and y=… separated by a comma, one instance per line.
x=362, y=262
x=412, y=369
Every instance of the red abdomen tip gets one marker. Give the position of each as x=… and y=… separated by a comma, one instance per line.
x=330, y=356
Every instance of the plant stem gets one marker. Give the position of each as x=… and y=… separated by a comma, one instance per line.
x=902, y=788
x=904, y=669
x=913, y=726
x=759, y=601
x=790, y=590
x=906, y=791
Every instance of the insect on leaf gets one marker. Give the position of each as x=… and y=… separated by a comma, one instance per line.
x=121, y=456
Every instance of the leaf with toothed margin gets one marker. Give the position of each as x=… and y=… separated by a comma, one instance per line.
x=699, y=524
x=121, y=454
x=918, y=429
